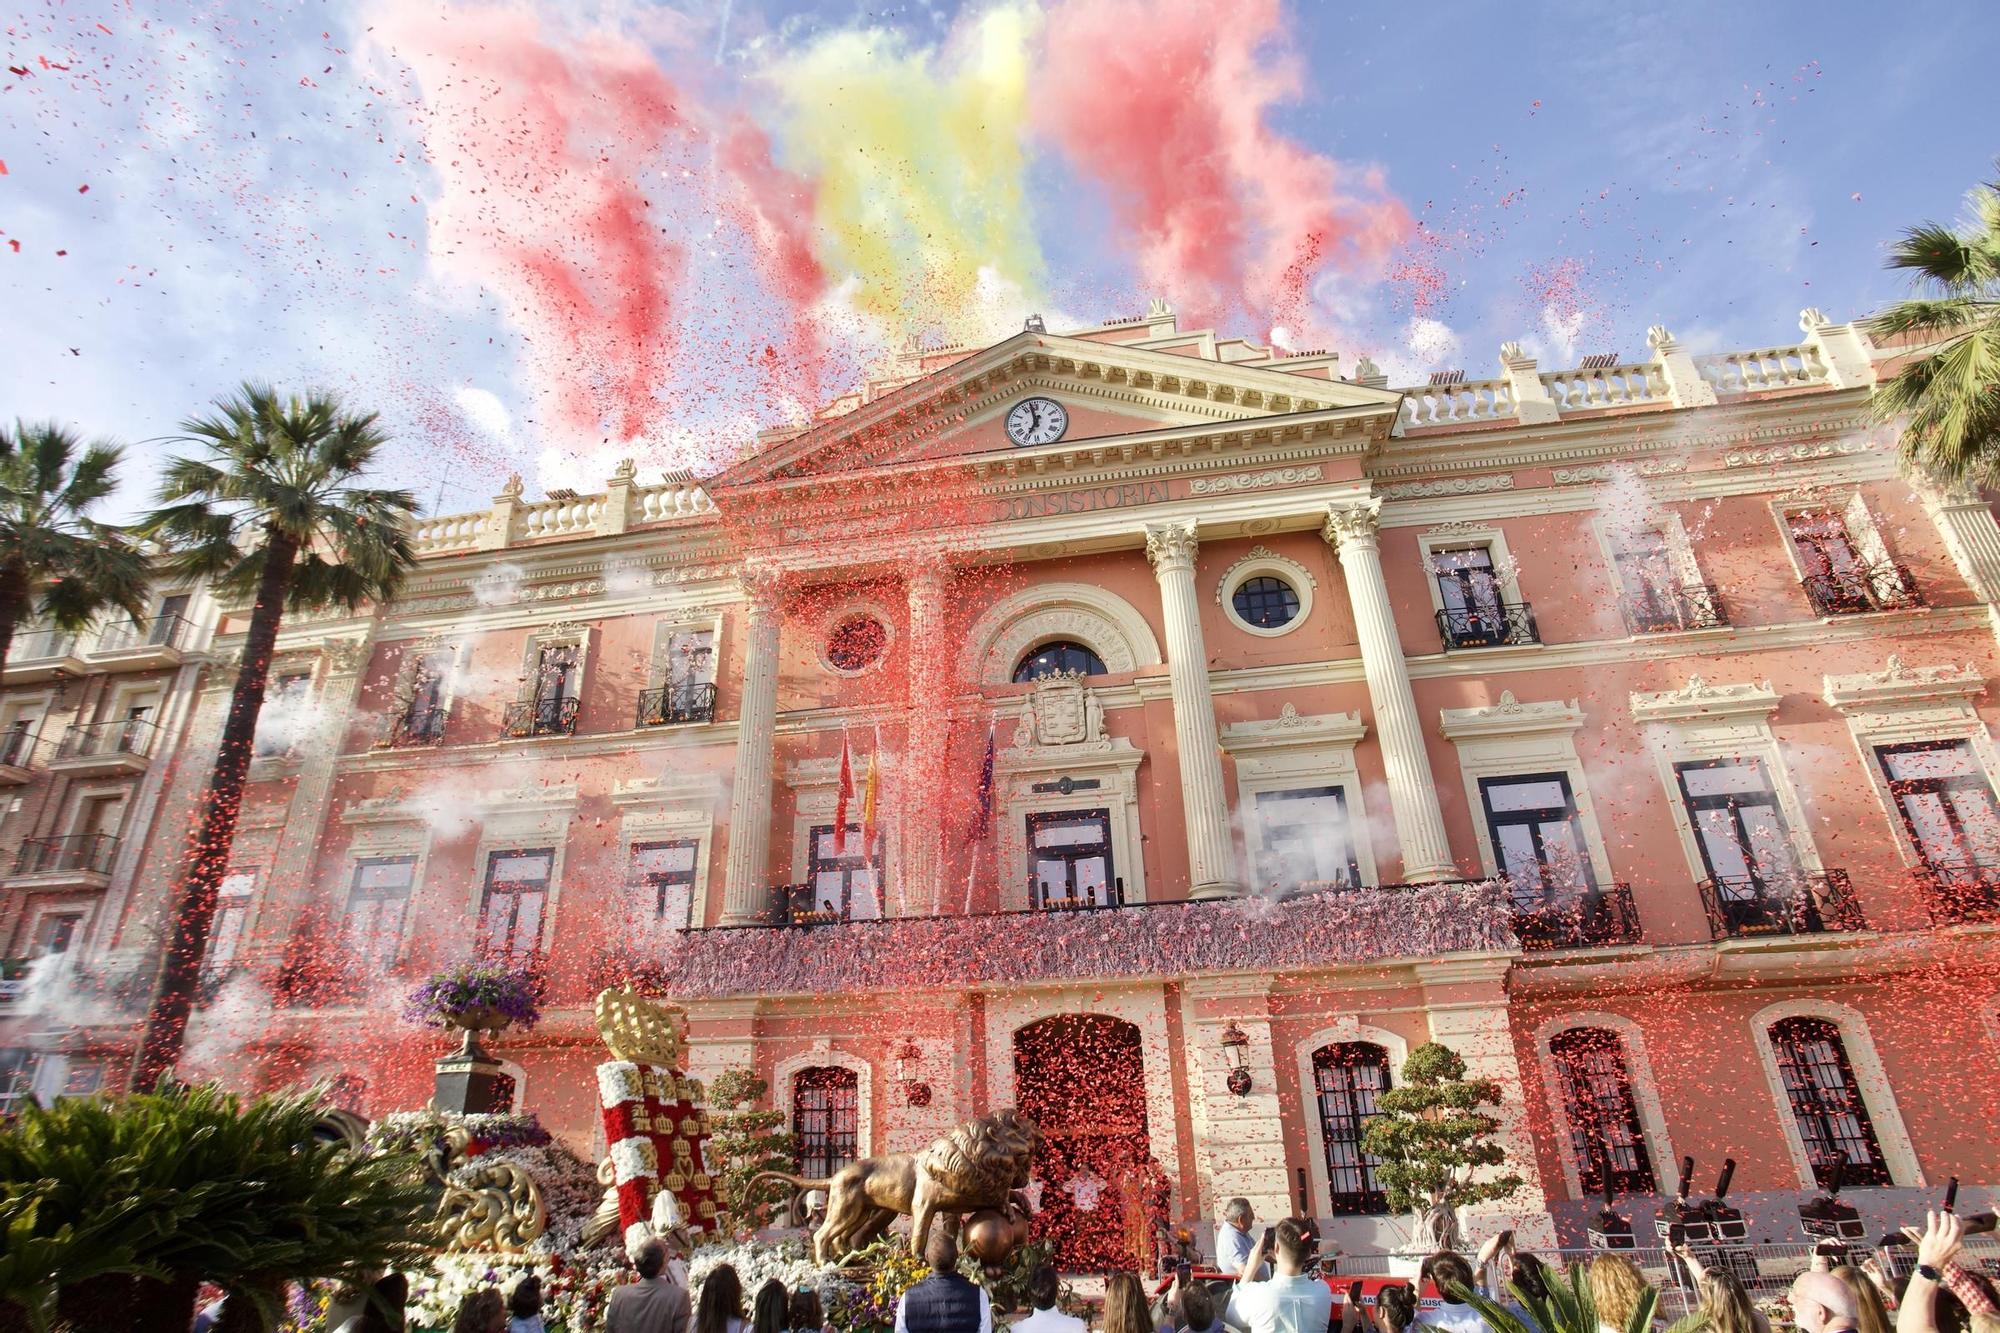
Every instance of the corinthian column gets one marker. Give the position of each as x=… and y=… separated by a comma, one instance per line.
x=931, y=672
x=1211, y=859
x=744, y=885
x=1353, y=530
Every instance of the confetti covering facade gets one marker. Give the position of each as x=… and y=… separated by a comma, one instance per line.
x=1166, y=736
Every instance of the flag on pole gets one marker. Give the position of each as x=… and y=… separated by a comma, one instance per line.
x=870, y=787
x=982, y=822
x=845, y=794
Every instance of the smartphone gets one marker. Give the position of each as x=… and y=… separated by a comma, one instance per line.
x=1677, y=1233
x=1183, y=1272
x=1270, y=1237
x=1950, y=1194
x=1829, y=1249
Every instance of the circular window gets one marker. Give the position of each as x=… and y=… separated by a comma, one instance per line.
x=1266, y=602
x=1054, y=658
x=856, y=643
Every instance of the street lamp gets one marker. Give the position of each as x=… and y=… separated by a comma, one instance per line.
x=1236, y=1046
x=916, y=1092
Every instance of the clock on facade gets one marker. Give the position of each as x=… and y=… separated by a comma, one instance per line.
x=1036, y=421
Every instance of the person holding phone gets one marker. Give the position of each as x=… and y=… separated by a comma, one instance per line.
x=1289, y=1301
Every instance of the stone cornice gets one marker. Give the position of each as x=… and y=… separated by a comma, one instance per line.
x=1509, y=717
x=1291, y=728
x=1699, y=699
x=1897, y=684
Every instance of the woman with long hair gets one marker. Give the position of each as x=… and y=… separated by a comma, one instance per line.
x=1616, y=1285
x=1126, y=1309
x=1396, y=1307
x=807, y=1314
x=1726, y=1302
x=721, y=1307
x=1870, y=1315
x=772, y=1311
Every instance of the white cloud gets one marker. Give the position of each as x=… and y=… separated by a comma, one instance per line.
x=484, y=409
x=1433, y=342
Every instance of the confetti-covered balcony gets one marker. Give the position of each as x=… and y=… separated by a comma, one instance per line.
x=1751, y=906
x=1884, y=587
x=1961, y=891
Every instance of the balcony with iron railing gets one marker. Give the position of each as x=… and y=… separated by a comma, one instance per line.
x=18, y=754
x=41, y=654
x=1668, y=610
x=1589, y=918
x=78, y=854
x=1796, y=903
x=143, y=644
x=1047, y=897
x=1959, y=892
x=526, y=718
x=120, y=745
x=676, y=705
x=416, y=727
x=1496, y=625
x=1883, y=587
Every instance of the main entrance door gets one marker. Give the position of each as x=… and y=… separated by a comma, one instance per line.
x=1081, y=1077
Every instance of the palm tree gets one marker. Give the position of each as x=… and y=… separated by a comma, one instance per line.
x=1949, y=397
x=54, y=561
x=269, y=514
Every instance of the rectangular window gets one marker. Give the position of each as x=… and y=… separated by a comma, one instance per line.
x=1069, y=853
x=665, y=872
x=551, y=708
x=1826, y=1102
x=689, y=658
x=1537, y=835
x=1307, y=838
x=54, y=934
x=1746, y=846
x=826, y=1119
x=232, y=917
x=1949, y=812
x=685, y=673
x=1349, y=1077
x=167, y=624
x=844, y=875
x=1468, y=583
x=17, y=740
x=377, y=899
x=1653, y=593
x=515, y=900
x=1845, y=566
x=282, y=720
x=423, y=718
x=1597, y=1097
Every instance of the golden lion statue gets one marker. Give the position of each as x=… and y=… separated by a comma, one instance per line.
x=978, y=1165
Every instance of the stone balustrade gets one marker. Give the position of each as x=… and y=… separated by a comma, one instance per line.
x=1592, y=387
x=513, y=521
x=1457, y=404
x=1793, y=367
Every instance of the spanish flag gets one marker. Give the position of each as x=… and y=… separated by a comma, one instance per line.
x=871, y=788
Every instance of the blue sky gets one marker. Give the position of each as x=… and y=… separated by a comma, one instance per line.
x=256, y=207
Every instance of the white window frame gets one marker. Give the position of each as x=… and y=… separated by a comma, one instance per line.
x=668, y=809
x=815, y=785
x=253, y=905
x=1869, y=1076
x=522, y=819
x=38, y=706
x=1342, y=1031
x=386, y=828
x=1261, y=562
x=1638, y=1073
x=311, y=663
x=1670, y=527
x=1114, y=764
x=825, y=1054
x=1292, y=752
x=1456, y=536
x=558, y=634
x=658, y=668
x=1702, y=722
x=1510, y=739
x=83, y=794
x=1101, y=621
x=414, y=652
x=1848, y=501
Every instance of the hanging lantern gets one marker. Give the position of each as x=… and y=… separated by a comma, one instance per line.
x=1236, y=1050
x=916, y=1092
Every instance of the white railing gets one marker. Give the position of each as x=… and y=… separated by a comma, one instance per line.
x=1606, y=386
x=559, y=518
x=678, y=497
x=673, y=499
x=1765, y=368
x=1454, y=404
x=447, y=532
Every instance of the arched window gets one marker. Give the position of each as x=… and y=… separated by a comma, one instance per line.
x=826, y=1116
x=1604, y=1130
x=1826, y=1102
x=1062, y=655
x=1348, y=1077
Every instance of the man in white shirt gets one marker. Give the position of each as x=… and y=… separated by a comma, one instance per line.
x=1233, y=1242
x=1289, y=1301
x=1043, y=1291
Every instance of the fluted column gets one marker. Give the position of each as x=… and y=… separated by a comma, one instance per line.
x=1354, y=531
x=745, y=874
x=919, y=791
x=1211, y=858
x=1966, y=524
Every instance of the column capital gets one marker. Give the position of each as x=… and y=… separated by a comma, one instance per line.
x=1351, y=521
x=1171, y=545
x=761, y=586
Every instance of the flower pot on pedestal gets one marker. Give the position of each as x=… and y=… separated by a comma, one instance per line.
x=469, y=1081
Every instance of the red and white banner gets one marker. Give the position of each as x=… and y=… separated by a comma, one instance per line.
x=656, y=1133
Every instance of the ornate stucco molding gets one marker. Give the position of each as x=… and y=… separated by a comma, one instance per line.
x=1896, y=683
x=1699, y=699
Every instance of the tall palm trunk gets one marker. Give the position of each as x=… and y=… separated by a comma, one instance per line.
x=207, y=856
x=13, y=604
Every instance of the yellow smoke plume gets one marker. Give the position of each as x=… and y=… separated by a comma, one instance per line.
x=919, y=160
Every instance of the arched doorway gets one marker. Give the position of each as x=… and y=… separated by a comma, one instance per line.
x=1081, y=1077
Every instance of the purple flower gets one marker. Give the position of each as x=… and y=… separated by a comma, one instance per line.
x=514, y=993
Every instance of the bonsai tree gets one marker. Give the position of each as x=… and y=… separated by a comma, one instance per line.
x=745, y=1140
x=1432, y=1141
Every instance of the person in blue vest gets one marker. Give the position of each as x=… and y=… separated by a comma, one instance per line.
x=944, y=1302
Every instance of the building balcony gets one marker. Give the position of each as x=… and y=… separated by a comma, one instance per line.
x=416, y=727
x=45, y=654
x=13, y=981
x=675, y=705
x=133, y=645
x=1049, y=897
x=106, y=747
x=539, y=717
x=1676, y=609
x=1499, y=625
x=75, y=861
x=18, y=756
x=1592, y=919
x=1961, y=891
x=1753, y=906
x=1884, y=587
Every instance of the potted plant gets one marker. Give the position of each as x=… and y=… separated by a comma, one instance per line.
x=477, y=997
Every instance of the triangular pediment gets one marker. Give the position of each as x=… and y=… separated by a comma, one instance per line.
x=1109, y=392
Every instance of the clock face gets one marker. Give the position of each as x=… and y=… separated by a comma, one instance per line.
x=1036, y=421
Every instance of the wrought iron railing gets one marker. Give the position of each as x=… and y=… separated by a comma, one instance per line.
x=132, y=735
x=87, y=852
x=796, y=905
x=417, y=726
x=1883, y=587
x=39, y=645
x=17, y=748
x=1961, y=891
x=159, y=632
x=672, y=705
x=1588, y=919
x=1488, y=626
x=1047, y=897
x=540, y=717
x=1745, y=906
x=1681, y=607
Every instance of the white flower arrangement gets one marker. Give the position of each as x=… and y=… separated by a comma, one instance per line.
x=758, y=1262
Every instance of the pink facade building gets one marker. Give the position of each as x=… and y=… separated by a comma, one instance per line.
x=1624, y=728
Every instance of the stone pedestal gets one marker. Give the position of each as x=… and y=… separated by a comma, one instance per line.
x=471, y=1082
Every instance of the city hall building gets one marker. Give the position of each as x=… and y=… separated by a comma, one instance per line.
x=1144, y=728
